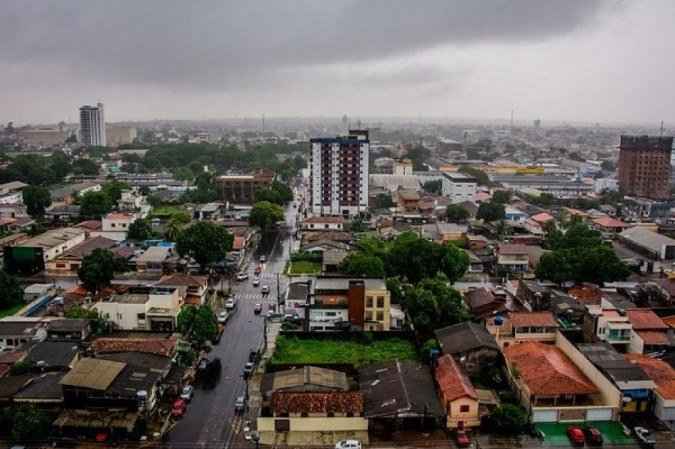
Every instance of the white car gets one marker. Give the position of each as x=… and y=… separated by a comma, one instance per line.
x=186, y=394
x=222, y=317
x=242, y=276
x=256, y=282
x=348, y=444
x=229, y=305
x=265, y=289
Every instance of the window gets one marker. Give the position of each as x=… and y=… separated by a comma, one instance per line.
x=112, y=225
x=369, y=315
x=463, y=408
x=380, y=315
x=141, y=316
x=369, y=301
x=380, y=301
x=330, y=313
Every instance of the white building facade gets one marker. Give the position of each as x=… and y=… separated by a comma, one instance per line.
x=92, y=125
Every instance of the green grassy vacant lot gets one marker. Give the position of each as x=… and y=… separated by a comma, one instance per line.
x=11, y=310
x=308, y=351
x=168, y=211
x=304, y=267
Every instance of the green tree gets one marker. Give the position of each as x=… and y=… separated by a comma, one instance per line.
x=59, y=165
x=97, y=270
x=383, y=201
x=205, y=242
x=36, y=199
x=577, y=235
x=113, y=190
x=481, y=177
x=456, y=213
x=265, y=215
x=491, y=211
x=140, y=229
x=98, y=323
x=30, y=423
x=508, y=419
x=11, y=292
x=277, y=193
x=175, y=225
x=501, y=196
x=596, y=264
x=93, y=205
x=197, y=322
x=432, y=304
x=363, y=265
x=85, y=167
x=433, y=187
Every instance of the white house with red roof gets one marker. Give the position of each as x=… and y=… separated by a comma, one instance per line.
x=115, y=225
x=457, y=394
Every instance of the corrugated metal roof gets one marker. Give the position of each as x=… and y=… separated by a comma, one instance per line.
x=95, y=374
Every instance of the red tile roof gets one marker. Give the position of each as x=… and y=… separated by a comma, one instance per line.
x=508, y=249
x=586, y=294
x=157, y=346
x=659, y=371
x=322, y=403
x=547, y=371
x=186, y=280
x=609, y=222
x=542, y=217
x=645, y=319
x=532, y=319
x=334, y=220
x=238, y=243
x=669, y=320
x=653, y=337
x=452, y=382
x=92, y=225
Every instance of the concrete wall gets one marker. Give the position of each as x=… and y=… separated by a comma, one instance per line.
x=316, y=424
x=470, y=418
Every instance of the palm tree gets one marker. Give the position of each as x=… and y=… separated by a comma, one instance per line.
x=173, y=228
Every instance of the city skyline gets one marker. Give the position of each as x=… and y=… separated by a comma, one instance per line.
x=596, y=61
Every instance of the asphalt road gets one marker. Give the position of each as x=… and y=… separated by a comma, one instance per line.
x=210, y=419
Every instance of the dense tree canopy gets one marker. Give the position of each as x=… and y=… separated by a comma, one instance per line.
x=491, y=211
x=433, y=187
x=93, y=205
x=431, y=304
x=456, y=213
x=97, y=270
x=11, y=292
x=205, y=242
x=277, y=193
x=363, y=265
x=199, y=323
x=140, y=230
x=265, y=215
x=501, y=196
x=85, y=167
x=36, y=199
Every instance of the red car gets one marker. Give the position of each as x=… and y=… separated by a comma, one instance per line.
x=576, y=435
x=179, y=408
x=462, y=439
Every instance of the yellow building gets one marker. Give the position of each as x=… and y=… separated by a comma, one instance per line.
x=458, y=397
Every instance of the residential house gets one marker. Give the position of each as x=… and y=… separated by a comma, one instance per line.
x=297, y=299
x=459, y=187
x=332, y=259
x=153, y=259
x=609, y=225
x=43, y=390
x=650, y=333
x=408, y=200
x=535, y=295
x=362, y=303
x=513, y=259
x=470, y=344
x=142, y=308
x=66, y=194
x=162, y=346
x=484, y=303
x=31, y=255
x=663, y=375
x=458, y=396
x=68, y=329
x=53, y=355
x=37, y=291
x=11, y=192
x=194, y=289
x=17, y=332
x=64, y=213
x=514, y=216
x=207, y=212
x=631, y=380
x=554, y=383
x=520, y=327
x=306, y=379
x=115, y=225
x=69, y=262
x=318, y=223
x=399, y=394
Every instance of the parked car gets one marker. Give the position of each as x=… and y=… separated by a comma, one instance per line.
x=265, y=289
x=248, y=369
x=240, y=405
x=576, y=435
x=258, y=269
x=257, y=309
x=263, y=259
x=253, y=356
x=230, y=304
x=242, y=276
x=644, y=437
x=462, y=439
x=256, y=282
x=593, y=436
x=187, y=392
x=348, y=444
x=223, y=316
x=179, y=408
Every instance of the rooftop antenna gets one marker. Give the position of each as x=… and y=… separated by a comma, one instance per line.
x=661, y=130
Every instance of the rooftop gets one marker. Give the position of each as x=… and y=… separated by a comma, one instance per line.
x=322, y=220
x=512, y=249
x=88, y=246
x=54, y=237
x=645, y=319
x=187, y=280
x=533, y=319
x=158, y=346
x=605, y=357
x=95, y=374
x=343, y=283
x=308, y=376
x=547, y=371
x=659, y=371
x=53, y=353
x=647, y=239
x=452, y=381
x=464, y=337
x=343, y=402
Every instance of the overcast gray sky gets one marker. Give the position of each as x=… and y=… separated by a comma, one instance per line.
x=580, y=60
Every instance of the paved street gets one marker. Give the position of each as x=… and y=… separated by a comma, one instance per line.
x=210, y=419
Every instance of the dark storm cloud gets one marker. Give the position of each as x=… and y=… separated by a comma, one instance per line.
x=230, y=44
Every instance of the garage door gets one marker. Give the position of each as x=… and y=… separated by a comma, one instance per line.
x=601, y=414
x=545, y=416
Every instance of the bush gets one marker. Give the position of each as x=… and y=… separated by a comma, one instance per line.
x=306, y=256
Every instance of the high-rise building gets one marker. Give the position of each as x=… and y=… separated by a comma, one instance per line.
x=92, y=125
x=644, y=166
x=339, y=174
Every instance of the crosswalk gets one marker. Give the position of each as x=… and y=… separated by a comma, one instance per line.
x=256, y=297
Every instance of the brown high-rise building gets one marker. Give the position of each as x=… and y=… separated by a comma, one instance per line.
x=644, y=166
x=241, y=189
